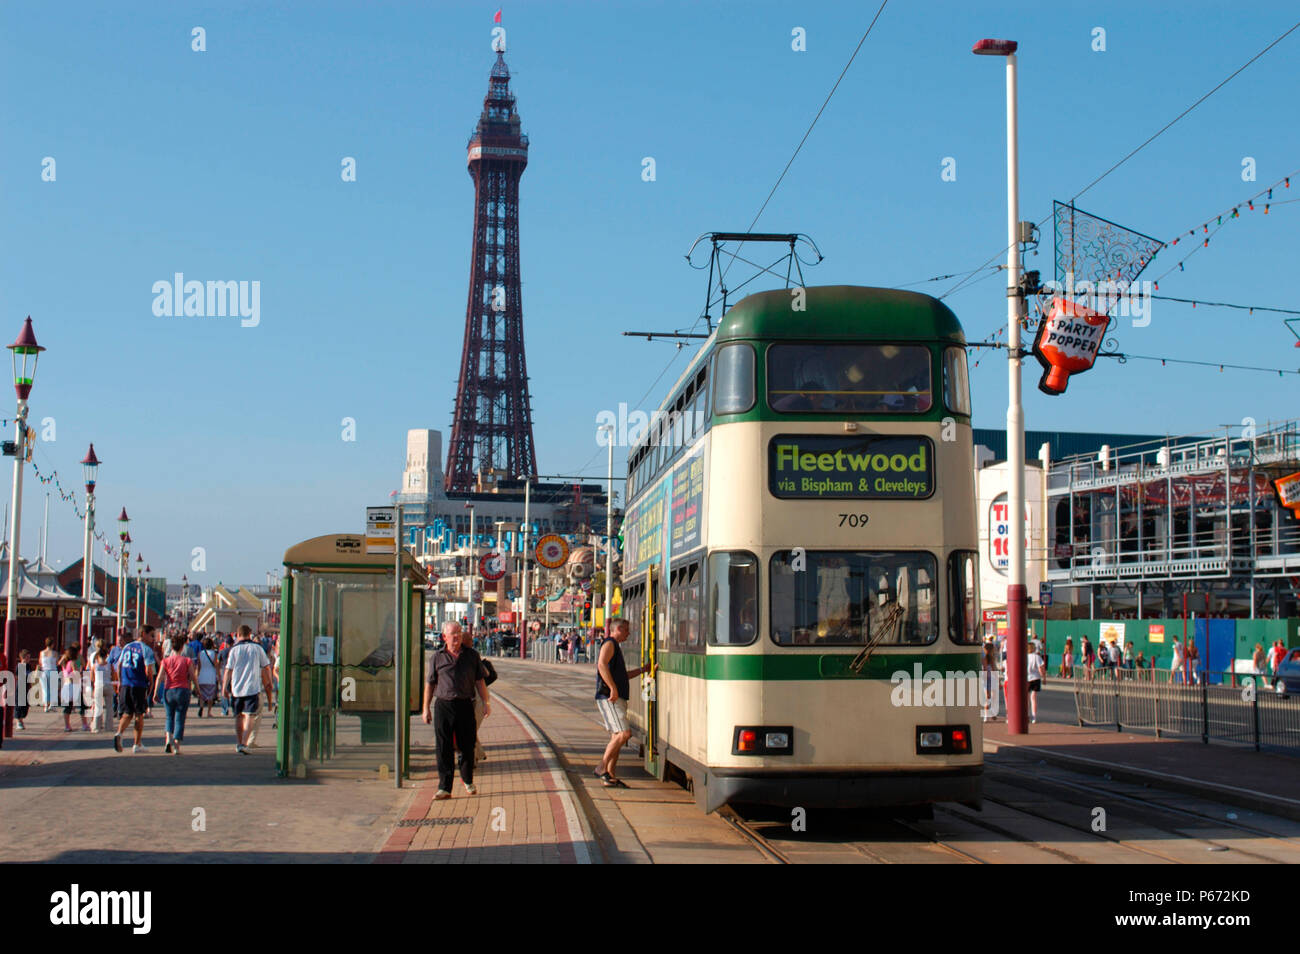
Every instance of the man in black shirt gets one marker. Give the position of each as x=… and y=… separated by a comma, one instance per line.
x=456, y=675
x=612, y=690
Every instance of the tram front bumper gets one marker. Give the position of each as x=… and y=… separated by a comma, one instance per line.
x=844, y=789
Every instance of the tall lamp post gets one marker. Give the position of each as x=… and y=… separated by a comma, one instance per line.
x=473, y=567
x=24, y=352
x=139, y=582
x=185, y=602
x=123, y=555
x=90, y=468
x=1016, y=682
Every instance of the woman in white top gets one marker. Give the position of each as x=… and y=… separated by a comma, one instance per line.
x=1034, y=673
x=102, y=691
x=209, y=675
x=49, y=663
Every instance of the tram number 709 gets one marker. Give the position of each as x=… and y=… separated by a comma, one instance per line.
x=853, y=519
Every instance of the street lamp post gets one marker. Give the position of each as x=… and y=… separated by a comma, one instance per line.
x=139, y=568
x=1016, y=676
x=141, y=604
x=24, y=353
x=185, y=601
x=525, y=529
x=125, y=537
x=90, y=468
x=472, y=569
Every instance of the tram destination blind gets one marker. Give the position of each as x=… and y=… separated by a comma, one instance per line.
x=865, y=467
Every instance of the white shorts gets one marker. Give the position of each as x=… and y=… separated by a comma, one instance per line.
x=613, y=715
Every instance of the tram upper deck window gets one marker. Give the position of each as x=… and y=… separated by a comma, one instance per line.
x=839, y=597
x=956, y=381
x=733, y=384
x=848, y=378
x=733, y=598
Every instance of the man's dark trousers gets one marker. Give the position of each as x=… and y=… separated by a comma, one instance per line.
x=454, y=718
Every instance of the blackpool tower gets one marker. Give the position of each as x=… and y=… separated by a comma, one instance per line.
x=493, y=424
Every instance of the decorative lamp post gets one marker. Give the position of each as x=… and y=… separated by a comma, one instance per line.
x=185, y=602
x=123, y=555
x=1016, y=683
x=90, y=468
x=24, y=352
x=139, y=582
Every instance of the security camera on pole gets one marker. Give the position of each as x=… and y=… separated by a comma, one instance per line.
x=1017, y=688
x=25, y=352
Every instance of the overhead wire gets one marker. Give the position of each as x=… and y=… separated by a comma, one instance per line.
x=1147, y=142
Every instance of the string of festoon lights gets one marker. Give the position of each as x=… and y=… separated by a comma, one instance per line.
x=70, y=497
x=1261, y=202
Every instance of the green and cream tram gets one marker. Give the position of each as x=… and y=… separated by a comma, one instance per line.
x=800, y=558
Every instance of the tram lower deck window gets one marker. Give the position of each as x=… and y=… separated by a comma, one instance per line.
x=850, y=598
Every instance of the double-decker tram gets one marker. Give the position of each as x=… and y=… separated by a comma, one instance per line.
x=799, y=560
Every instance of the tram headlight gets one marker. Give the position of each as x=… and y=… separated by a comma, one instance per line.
x=931, y=740
x=777, y=740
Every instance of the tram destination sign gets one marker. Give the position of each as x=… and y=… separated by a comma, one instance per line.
x=861, y=467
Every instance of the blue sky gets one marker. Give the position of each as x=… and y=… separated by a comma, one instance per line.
x=224, y=165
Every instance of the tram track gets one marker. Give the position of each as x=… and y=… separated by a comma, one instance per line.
x=1033, y=815
x=1147, y=811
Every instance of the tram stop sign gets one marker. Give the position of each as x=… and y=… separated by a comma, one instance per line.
x=1045, y=594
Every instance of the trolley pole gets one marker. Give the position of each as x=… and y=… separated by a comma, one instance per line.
x=1017, y=688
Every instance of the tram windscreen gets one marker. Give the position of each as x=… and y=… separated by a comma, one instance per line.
x=837, y=597
x=849, y=378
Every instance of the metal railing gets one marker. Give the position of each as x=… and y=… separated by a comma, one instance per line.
x=1244, y=709
x=545, y=650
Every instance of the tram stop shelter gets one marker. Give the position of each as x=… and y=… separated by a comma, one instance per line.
x=343, y=707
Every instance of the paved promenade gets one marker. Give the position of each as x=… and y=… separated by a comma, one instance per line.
x=68, y=797
x=524, y=812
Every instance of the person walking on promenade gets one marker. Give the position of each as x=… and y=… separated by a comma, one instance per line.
x=1257, y=662
x=456, y=675
x=248, y=672
x=23, y=686
x=209, y=676
x=1088, y=656
x=223, y=655
x=177, y=675
x=989, y=690
x=1176, y=667
x=135, y=672
x=1034, y=675
x=73, y=692
x=612, y=691
x=1067, y=660
x=101, y=690
x=49, y=662
x=1193, y=658
x=113, y=655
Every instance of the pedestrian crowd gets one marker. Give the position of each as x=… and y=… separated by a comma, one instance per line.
x=122, y=684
